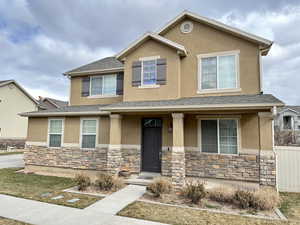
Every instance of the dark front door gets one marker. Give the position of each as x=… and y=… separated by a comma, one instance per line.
x=151, y=144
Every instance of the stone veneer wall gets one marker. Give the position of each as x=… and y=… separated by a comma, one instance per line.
x=166, y=166
x=234, y=167
x=131, y=159
x=268, y=168
x=66, y=157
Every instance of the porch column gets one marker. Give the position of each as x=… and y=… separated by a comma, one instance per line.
x=178, y=155
x=114, y=155
x=267, y=157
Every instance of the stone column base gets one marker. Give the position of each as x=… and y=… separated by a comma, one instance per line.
x=267, y=168
x=114, y=159
x=178, y=168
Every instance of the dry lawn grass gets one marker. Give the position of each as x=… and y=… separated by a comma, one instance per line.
x=181, y=216
x=32, y=186
x=5, y=221
x=290, y=205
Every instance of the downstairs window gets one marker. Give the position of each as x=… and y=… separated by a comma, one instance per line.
x=219, y=136
x=55, y=132
x=88, y=133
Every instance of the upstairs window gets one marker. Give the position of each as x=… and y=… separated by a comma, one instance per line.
x=55, y=132
x=149, y=74
x=218, y=72
x=105, y=85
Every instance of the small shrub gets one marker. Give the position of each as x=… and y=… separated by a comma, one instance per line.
x=107, y=182
x=221, y=194
x=266, y=198
x=195, y=191
x=82, y=182
x=244, y=199
x=159, y=186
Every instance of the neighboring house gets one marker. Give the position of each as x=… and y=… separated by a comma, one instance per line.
x=51, y=103
x=14, y=100
x=287, y=125
x=288, y=118
x=185, y=101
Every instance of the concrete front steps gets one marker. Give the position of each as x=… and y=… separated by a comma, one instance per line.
x=143, y=179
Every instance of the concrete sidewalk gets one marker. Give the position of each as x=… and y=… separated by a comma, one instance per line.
x=40, y=213
x=115, y=202
x=11, y=161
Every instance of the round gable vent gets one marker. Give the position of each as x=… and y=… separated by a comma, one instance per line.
x=186, y=27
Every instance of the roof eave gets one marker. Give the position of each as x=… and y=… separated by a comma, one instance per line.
x=180, y=49
x=47, y=114
x=193, y=107
x=22, y=89
x=91, y=72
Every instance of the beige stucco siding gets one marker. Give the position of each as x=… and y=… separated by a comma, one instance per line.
x=12, y=102
x=131, y=133
x=204, y=39
x=72, y=130
x=131, y=130
x=77, y=99
x=249, y=132
x=171, y=90
x=37, y=129
x=104, y=128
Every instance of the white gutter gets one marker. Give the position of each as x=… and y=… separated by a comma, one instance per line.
x=63, y=114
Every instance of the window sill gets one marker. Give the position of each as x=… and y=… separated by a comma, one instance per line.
x=222, y=154
x=149, y=86
x=103, y=96
x=219, y=91
x=88, y=149
x=55, y=147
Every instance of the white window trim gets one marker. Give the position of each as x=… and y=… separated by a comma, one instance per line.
x=62, y=132
x=220, y=118
x=237, y=88
x=97, y=131
x=142, y=71
x=102, y=95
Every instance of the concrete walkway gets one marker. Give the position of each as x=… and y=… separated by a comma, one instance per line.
x=10, y=161
x=102, y=212
x=115, y=202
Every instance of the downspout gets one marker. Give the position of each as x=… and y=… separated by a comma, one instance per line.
x=260, y=71
x=274, y=114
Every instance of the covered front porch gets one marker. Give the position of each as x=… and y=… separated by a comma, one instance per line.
x=224, y=144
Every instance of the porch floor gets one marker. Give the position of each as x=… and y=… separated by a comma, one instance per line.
x=144, y=178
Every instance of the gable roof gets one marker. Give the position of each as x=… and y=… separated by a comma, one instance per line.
x=52, y=103
x=294, y=108
x=7, y=82
x=154, y=36
x=264, y=43
x=106, y=64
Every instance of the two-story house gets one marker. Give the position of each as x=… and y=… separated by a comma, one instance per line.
x=184, y=101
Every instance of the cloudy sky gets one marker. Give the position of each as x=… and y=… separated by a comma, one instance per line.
x=41, y=39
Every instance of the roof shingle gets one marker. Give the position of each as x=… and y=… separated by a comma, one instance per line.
x=102, y=64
